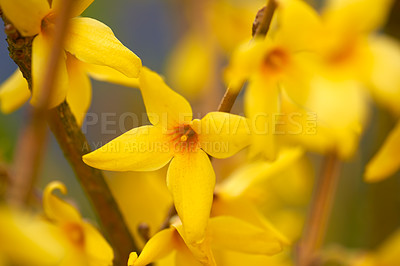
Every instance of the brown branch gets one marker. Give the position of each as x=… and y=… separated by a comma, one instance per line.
x=261, y=26
x=321, y=205
x=74, y=145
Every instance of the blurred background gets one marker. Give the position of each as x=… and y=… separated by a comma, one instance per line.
x=189, y=43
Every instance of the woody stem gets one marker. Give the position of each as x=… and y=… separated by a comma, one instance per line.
x=321, y=206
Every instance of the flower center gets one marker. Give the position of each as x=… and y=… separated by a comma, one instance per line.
x=75, y=234
x=185, y=138
x=48, y=23
x=275, y=61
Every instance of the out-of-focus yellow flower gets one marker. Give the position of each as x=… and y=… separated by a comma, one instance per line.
x=387, y=161
x=89, y=42
x=84, y=244
x=27, y=239
x=174, y=135
x=223, y=232
x=282, y=60
x=352, y=58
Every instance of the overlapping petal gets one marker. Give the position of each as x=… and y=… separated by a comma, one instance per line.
x=164, y=106
x=262, y=107
x=93, y=42
x=159, y=246
x=79, y=95
x=14, y=92
x=26, y=15
x=41, y=46
x=387, y=161
x=144, y=148
x=108, y=74
x=222, y=134
x=191, y=181
x=57, y=209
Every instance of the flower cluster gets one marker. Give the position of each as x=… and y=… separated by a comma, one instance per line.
x=308, y=87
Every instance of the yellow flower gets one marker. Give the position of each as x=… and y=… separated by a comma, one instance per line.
x=280, y=61
x=174, y=135
x=352, y=57
x=84, y=244
x=223, y=232
x=90, y=47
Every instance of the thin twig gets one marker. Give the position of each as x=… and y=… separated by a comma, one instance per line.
x=321, y=205
x=74, y=144
x=260, y=29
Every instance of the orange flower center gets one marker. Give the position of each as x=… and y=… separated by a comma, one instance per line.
x=75, y=234
x=185, y=138
x=275, y=61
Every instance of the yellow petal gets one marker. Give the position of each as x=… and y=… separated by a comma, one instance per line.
x=159, y=246
x=222, y=134
x=79, y=94
x=246, y=60
x=262, y=106
x=97, y=249
x=163, y=105
x=234, y=234
x=57, y=209
x=200, y=251
x=26, y=15
x=144, y=148
x=250, y=174
x=131, y=189
x=93, y=42
x=388, y=253
x=108, y=74
x=386, y=72
x=368, y=14
x=298, y=24
x=77, y=8
x=14, y=92
x=387, y=161
x=41, y=48
x=191, y=181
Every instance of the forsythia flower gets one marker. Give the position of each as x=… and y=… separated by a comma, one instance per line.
x=84, y=244
x=174, y=135
x=223, y=232
x=280, y=61
x=90, y=47
x=353, y=56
